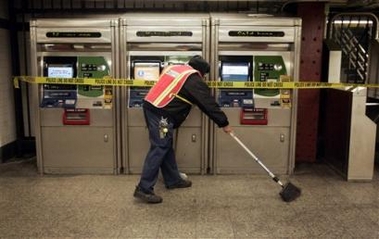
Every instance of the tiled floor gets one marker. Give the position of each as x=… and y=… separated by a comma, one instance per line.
x=223, y=206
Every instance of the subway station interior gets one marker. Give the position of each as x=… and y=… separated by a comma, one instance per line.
x=71, y=154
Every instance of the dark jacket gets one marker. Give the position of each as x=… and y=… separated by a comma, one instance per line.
x=197, y=92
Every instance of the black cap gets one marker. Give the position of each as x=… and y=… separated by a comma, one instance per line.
x=198, y=63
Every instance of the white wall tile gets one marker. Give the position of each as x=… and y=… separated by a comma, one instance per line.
x=7, y=106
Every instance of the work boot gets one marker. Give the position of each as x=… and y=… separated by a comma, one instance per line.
x=147, y=197
x=181, y=184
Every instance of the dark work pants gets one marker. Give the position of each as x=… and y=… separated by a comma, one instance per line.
x=161, y=155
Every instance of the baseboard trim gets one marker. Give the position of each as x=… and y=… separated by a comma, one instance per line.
x=18, y=149
x=8, y=151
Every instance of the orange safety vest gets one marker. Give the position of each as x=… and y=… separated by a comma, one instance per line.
x=169, y=84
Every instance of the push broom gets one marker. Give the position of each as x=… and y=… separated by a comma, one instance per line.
x=289, y=191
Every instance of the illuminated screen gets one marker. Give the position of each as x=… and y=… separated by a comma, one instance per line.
x=235, y=71
x=60, y=71
x=146, y=71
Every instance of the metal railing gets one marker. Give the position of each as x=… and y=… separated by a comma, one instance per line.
x=353, y=32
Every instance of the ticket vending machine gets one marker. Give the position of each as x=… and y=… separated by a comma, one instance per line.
x=255, y=49
x=149, y=43
x=75, y=124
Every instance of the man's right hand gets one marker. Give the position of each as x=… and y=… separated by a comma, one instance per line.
x=227, y=129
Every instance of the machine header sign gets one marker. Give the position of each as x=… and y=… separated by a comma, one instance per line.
x=73, y=34
x=164, y=34
x=256, y=34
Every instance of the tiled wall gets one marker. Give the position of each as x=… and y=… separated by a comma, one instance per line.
x=4, y=9
x=7, y=107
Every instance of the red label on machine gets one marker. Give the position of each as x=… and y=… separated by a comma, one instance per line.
x=253, y=116
x=76, y=117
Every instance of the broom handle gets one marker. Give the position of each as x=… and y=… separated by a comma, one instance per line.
x=276, y=179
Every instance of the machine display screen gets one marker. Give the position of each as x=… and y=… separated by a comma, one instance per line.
x=60, y=71
x=146, y=71
x=235, y=71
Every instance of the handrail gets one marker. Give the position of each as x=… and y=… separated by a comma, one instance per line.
x=375, y=18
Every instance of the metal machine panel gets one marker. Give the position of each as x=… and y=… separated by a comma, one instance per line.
x=78, y=122
x=62, y=35
x=188, y=145
x=270, y=145
x=160, y=39
x=259, y=34
x=194, y=119
x=176, y=33
x=362, y=140
x=277, y=117
x=64, y=30
x=349, y=145
x=230, y=19
x=270, y=47
x=136, y=118
x=53, y=117
x=156, y=28
x=255, y=28
x=54, y=23
x=164, y=20
x=139, y=144
x=78, y=149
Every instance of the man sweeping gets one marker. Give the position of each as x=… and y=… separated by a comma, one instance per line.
x=165, y=108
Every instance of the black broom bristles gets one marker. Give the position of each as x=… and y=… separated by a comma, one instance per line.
x=290, y=192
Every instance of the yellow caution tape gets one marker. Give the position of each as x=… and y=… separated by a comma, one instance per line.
x=108, y=81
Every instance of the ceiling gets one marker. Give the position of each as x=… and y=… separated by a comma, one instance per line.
x=112, y=6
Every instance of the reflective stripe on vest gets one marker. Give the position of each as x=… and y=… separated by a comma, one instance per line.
x=169, y=84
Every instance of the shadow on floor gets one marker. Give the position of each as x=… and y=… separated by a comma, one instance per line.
x=19, y=167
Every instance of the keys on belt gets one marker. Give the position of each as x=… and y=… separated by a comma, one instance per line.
x=163, y=127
